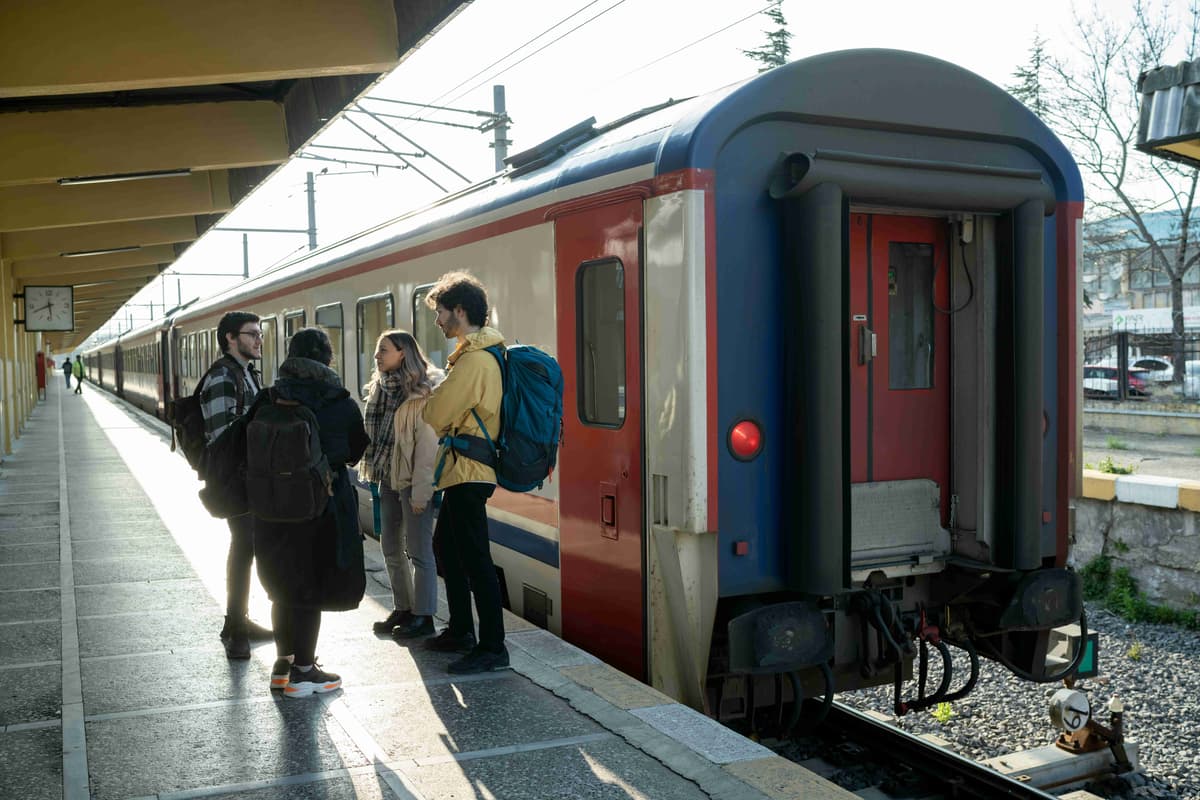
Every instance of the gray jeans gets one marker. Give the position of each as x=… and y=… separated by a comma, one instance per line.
x=407, y=537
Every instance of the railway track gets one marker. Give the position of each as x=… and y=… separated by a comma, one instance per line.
x=876, y=760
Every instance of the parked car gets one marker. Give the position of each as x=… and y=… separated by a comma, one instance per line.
x=1101, y=381
x=1158, y=368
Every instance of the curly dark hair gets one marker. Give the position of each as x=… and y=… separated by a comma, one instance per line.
x=456, y=289
x=312, y=343
x=231, y=323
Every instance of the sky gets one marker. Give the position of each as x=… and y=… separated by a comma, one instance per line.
x=562, y=61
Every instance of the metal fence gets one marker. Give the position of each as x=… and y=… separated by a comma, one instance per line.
x=1140, y=367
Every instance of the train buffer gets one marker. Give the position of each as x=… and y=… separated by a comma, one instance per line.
x=116, y=685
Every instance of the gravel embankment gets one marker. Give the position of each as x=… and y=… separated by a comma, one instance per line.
x=1160, y=689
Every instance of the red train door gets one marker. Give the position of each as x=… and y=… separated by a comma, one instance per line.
x=598, y=276
x=900, y=351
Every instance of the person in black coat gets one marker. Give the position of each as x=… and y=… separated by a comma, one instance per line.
x=315, y=566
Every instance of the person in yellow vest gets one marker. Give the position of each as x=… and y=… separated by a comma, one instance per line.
x=79, y=375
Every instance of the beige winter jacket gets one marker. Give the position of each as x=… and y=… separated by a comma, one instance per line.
x=414, y=451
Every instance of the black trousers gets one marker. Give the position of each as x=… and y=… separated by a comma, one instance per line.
x=238, y=565
x=296, y=631
x=467, y=563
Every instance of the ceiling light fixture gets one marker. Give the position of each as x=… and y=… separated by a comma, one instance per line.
x=103, y=252
x=128, y=176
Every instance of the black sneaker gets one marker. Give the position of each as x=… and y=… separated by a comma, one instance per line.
x=315, y=681
x=280, y=672
x=393, y=619
x=414, y=628
x=237, y=645
x=447, y=642
x=480, y=661
x=256, y=632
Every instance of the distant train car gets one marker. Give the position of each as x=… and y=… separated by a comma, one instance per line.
x=818, y=335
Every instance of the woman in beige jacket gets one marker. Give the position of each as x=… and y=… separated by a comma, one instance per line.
x=400, y=460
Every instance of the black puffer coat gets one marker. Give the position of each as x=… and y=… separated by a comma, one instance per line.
x=318, y=564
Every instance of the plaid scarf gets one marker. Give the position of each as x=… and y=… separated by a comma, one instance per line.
x=379, y=416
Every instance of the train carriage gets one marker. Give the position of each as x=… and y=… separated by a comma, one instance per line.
x=818, y=339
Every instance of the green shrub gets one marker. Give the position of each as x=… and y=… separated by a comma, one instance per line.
x=1111, y=467
x=1117, y=591
x=1116, y=444
x=942, y=713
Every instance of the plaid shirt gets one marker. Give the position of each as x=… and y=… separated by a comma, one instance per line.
x=219, y=400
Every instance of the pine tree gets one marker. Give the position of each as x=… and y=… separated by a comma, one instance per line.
x=1030, y=86
x=775, y=52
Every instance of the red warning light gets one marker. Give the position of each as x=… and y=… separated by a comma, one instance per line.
x=745, y=440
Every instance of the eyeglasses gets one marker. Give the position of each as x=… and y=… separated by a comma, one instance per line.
x=251, y=334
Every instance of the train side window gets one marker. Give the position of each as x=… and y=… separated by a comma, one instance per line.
x=191, y=356
x=293, y=321
x=600, y=360
x=374, y=315
x=910, y=315
x=270, y=350
x=425, y=331
x=329, y=319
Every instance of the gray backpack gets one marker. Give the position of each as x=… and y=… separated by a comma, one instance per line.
x=288, y=478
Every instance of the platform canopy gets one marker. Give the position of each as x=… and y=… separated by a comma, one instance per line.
x=128, y=129
x=1170, y=115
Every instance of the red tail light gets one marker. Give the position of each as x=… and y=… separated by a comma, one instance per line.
x=745, y=440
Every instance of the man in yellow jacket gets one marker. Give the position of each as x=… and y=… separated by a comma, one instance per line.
x=470, y=395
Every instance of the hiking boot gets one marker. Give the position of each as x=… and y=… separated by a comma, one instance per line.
x=448, y=642
x=280, y=672
x=314, y=681
x=256, y=632
x=415, y=628
x=480, y=661
x=393, y=619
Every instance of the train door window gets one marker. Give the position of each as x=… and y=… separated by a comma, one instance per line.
x=191, y=355
x=270, y=350
x=205, y=359
x=600, y=295
x=329, y=319
x=374, y=316
x=293, y=321
x=910, y=315
x=425, y=330
x=215, y=344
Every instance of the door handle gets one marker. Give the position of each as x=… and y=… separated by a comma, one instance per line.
x=867, y=342
x=608, y=510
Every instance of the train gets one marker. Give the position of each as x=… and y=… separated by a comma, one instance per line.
x=819, y=341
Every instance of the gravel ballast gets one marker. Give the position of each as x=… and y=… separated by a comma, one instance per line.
x=1158, y=681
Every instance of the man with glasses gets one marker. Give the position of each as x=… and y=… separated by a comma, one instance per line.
x=228, y=391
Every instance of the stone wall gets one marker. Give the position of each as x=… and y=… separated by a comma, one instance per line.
x=1159, y=545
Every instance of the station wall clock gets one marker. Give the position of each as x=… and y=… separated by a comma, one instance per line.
x=49, y=308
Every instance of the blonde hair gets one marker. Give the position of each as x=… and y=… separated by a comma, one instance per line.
x=414, y=369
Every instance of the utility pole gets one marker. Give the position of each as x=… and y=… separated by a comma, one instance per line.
x=312, y=215
x=245, y=255
x=502, y=141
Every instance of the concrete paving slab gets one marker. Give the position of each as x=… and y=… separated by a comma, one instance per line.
x=151, y=632
x=370, y=662
x=415, y=721
x=128, y=570
x=599, y=770
x=182, y=596
x=34, y=605
x=29, y=521
x=702, y=734
x=27, y=534
x=11, y=507
x=28, y=553
x=318, y=786
x=125, y=529
x=189, y=748
x=550, y=650
x=29, y=576
x=616, y=687
x=31, y=764
x=127, y=547
x=30, y=694
x=30, y=642
x=781, y=779
x=163, y=680
x=22, y=492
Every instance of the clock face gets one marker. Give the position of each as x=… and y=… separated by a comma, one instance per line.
x=49, y=308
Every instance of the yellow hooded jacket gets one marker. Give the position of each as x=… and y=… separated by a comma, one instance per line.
x=473, y=381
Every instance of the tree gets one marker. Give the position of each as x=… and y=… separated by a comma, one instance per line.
x=1091, y=101
x=1030, y=78
x=775, y=52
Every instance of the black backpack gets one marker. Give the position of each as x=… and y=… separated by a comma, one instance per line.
x=186, y=416
x=288, y=478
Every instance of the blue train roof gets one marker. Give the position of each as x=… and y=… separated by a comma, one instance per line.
x=859, y=88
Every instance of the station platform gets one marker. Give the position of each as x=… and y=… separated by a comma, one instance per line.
x=115, y=685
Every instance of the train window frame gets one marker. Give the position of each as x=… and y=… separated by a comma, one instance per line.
x=366, y=350
x=424, y=320
x=288, y=316
x=270, y=348
x=581, y=380
x=339, y=347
